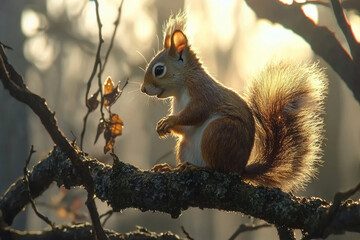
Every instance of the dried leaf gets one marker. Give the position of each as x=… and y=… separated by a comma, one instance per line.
x=92, y=102
x=116, y=125
x=107, y=133
x=110, y=98
x=108, y=88
x=101, y=127
x=116, y=119
x=113, y=128
x=109, y=145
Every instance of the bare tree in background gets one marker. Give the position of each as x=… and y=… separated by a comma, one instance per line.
x=124, y=186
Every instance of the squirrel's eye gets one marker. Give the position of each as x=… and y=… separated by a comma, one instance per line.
x=159, y=70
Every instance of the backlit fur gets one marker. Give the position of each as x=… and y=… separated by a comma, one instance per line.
x=217, y=127
x=287, y=102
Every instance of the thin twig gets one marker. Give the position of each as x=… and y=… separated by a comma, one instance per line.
x=6, y=46
x=101, y=41
x=90, y=202
x=346, y=29
x=92, y=75
x=31, y=200
x=329, y=215
x=342, y=196
x=94, y=215
x=123, y=86
x=101, y=67
x=107, y=216
x=339, y=197
x=101, y=92
x=116, y=24
x=83, y=232
x=186, y=233
x=247, y=228
x=82, y=135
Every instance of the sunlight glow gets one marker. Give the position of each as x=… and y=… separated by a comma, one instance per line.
x=73, y=8
x=144, y=29
x=311, y=11
x=248, y=43
x=223, y=24
x=30, y=22
x=288, y=2
x=354, y=21
x=55, y=8
x=40, y=50
x=272, y=42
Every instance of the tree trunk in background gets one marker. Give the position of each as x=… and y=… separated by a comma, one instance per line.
x=14, y=141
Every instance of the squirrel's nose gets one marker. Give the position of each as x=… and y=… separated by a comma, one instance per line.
x=142, y=88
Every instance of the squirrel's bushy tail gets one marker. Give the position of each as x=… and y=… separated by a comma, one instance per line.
x=287, y=103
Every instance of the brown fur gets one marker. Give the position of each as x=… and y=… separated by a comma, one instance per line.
x=226, y=146
x=287, y=101
x=281, y=115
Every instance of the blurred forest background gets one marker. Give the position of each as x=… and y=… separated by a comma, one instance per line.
x=54, y=44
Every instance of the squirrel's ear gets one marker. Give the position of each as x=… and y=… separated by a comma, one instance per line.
x=178, y=42
x=167, y=42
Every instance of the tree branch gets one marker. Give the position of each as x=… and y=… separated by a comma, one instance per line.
x=124, y=186
x=13, y=82
x=346, y=29
x=247, y=228
x=285, y=233
x=351, y=5
x=83, y=232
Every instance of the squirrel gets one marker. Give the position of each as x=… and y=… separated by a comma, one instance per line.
x=271, y=135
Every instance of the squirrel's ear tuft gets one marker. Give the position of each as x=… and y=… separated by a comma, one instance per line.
x=178, y=42
x=175, y=23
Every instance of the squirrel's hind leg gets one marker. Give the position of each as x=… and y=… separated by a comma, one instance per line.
x=226, y=145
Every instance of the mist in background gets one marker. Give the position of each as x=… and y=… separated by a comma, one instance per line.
x=54, y=45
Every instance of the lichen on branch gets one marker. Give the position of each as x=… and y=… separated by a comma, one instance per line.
x=125, y=186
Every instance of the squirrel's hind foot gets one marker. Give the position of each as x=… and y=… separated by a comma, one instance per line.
x=182, y=167
x=162, y=167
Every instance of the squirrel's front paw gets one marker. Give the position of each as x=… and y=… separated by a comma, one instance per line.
x=164, y=125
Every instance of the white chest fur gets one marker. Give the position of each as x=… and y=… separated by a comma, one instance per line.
x=189, y=143
x=180, y=102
